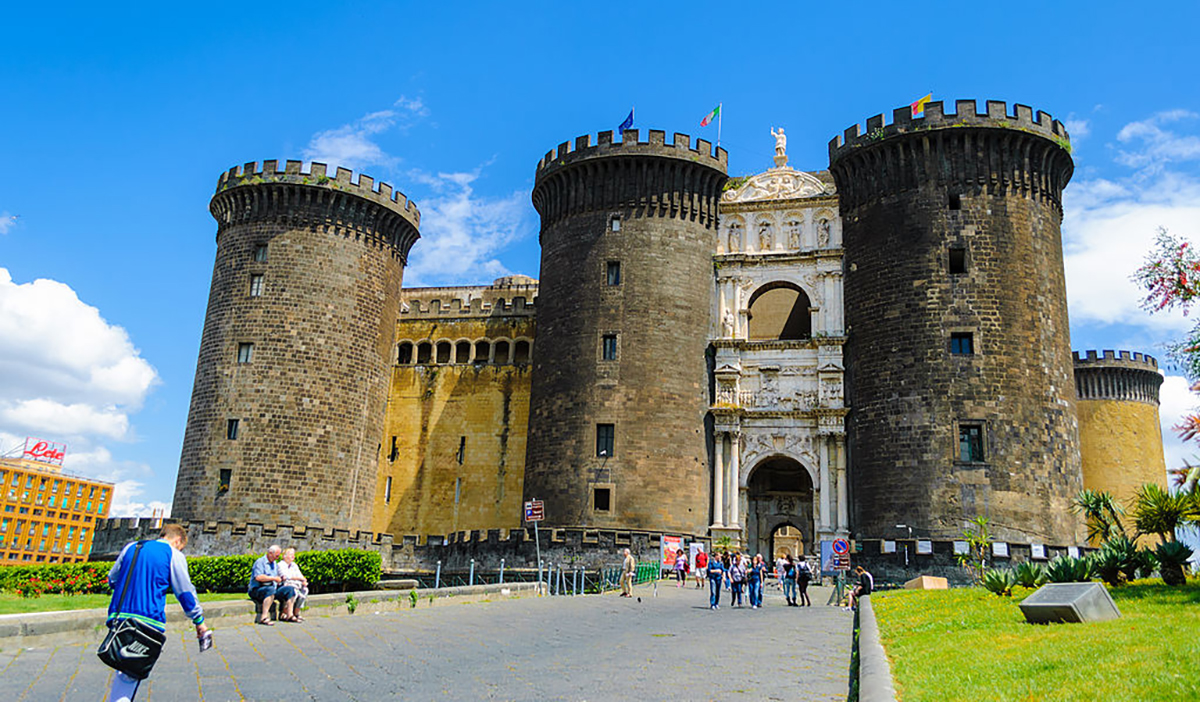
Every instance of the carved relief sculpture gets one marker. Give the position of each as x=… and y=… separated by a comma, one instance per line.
x=766, y=239
x=793, y=234
x=823, y=233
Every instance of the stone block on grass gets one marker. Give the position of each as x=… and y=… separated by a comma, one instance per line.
x=1069, y=602
x=927, y=582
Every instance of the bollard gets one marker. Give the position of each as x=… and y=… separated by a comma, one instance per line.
x=553, y=584
x=576, y=580
x=437, y=579
x=501, y=571
x=539, y=579
x=471, y=578
x=561, y=581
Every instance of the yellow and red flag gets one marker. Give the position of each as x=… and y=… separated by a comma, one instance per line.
x=918, y=107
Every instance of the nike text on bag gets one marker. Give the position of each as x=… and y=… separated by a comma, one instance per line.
x=131, y=646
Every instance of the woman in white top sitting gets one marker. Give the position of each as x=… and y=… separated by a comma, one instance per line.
x=290, y=572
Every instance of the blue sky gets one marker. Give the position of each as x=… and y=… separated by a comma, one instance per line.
x=118, y=119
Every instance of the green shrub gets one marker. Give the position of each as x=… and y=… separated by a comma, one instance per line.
x=339, y=571
x=221, y=573
x=58, y=578
x=999, y=581
x=1065, y=569
x=1172, y=556
x=1030, y=575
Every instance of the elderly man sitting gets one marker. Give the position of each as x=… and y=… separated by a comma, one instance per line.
x=266, y=586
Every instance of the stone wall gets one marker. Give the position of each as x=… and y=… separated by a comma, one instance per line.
x=591, y=548
x=654, y=393
x=458, y=412
x=309, y=397
x=990, y=186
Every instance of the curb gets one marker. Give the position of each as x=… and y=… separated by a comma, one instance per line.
x=39, y=629
x=874, y=671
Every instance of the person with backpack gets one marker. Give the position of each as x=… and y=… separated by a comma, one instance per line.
x=803, y=576
x=789, y=581
x=716, y=573
x=737, y=580
x=137, y=619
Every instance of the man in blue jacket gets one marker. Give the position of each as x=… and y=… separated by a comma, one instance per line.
x=161, y=567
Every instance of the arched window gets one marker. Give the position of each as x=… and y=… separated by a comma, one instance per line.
x=483, y=349
x=521, y=352
x=405, y=355
x=424, y=351
x=462, y=352
x=502, y=352
x=779, y=311
x=443, y=352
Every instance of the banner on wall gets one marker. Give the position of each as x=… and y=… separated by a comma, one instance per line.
x=671, y=548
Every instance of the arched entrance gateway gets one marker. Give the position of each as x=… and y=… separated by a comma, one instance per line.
x=779, y=515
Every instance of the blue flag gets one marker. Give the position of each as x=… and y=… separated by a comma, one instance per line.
x=628, y=123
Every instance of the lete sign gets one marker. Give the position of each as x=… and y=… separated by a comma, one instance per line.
x=44, y=451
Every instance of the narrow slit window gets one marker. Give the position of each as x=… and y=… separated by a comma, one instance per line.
x=462, y=450
x=223, y=481
x=609, y=347
x=614, y=273
x=387, y=490
x=232, y=427
x=605, y=439
x=614, y=224
x=245, y=353
x=970, y=443
x=256, y=285
x=958, y=260
x=955, y=201
x=394, y=453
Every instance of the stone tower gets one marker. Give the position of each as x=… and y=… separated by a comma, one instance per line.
x=959, y=356
x=1120, y=438
x=620, y=392
x=288, y=404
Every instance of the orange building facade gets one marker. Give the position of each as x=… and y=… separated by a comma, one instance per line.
x=47, y=515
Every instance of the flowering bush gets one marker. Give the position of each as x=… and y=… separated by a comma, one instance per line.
x=65, y=578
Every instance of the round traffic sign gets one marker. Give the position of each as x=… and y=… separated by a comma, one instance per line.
x=841, y=547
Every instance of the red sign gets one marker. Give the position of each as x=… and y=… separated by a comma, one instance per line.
x=535, y=511
x=44, y=451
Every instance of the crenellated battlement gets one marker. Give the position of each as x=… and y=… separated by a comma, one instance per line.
x=630, y=145
x=966, y=114
x=1116, y=375
x=343, y=179
x=1109, y=357
x=518, y=306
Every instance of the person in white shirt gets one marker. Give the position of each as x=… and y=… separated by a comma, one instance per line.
x=294, y=578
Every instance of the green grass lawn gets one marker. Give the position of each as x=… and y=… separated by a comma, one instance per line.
x=968, y=644
x=14, y=604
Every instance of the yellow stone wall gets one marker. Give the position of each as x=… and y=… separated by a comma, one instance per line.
x=436, y=408
x=1121, y=446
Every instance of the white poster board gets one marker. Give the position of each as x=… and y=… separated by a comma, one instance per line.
x=888, y=547
x=1037, y=551
x=1073, y=551
x=960, y=546
x=1000, y=549
x=924, y=548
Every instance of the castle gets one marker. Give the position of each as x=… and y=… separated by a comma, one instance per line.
x=877, y=351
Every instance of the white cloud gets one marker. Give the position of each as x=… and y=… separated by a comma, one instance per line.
x=461, y=232
x=1175, y=401
x=355, y=146
x=41, y=415
x=7, y=222
x=1151, y=147
x=1108, y=229
x=126, y=504
x=1077, y=128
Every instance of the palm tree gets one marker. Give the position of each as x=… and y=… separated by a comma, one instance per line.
x=1157, y=511
x=1103, y=514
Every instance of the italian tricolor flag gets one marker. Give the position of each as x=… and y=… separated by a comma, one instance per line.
x=710, y=116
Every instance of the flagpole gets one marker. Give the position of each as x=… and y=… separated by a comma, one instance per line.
x=720, y=111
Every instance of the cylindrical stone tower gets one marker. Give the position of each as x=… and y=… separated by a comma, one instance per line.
x=1120, y=438
x=287, y=408
x=958, y=351
x=619, y=389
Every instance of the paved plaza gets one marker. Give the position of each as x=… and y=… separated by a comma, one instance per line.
x=597, y=648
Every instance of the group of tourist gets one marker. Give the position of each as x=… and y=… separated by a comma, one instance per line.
x=739, y=573
x=276, y=578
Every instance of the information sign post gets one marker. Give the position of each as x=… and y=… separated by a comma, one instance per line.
x=535, y=511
